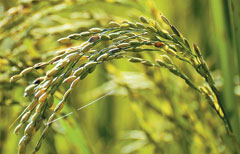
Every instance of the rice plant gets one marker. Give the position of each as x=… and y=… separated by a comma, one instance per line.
x=150, y=44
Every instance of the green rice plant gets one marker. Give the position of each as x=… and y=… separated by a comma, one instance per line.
x=125, y=40
x=168, y=115
x=224, y=45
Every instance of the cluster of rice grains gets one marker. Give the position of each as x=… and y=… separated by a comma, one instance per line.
x=74, y=64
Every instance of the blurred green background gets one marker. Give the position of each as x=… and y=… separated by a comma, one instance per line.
x=150, y=110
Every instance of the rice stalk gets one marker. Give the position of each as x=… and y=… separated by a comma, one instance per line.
x=75, y=63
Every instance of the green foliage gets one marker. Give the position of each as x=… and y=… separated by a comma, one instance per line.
x=154, y=91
